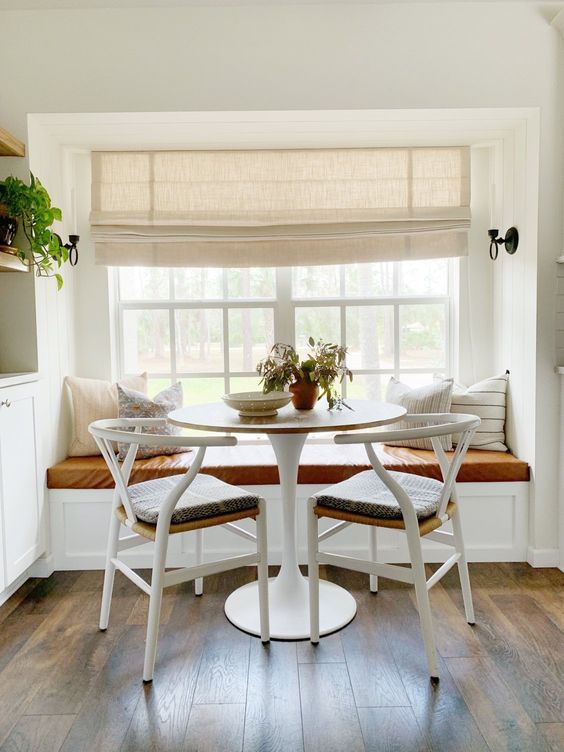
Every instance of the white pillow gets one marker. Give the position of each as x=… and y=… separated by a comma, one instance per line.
x=487, y=400
x=133, y=404
x=94, y=399
x=430, y=398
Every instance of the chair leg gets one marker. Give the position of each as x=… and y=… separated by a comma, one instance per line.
x=262, y=573
x=463, y=568
x=155, y=600
x=199, y=581
x=313, y=571
x=373, y=553
x=424, y=608
x=111, y=553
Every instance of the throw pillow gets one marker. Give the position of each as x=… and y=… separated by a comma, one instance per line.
x=431, y=398
x=134, y=404
x=487, y=400
x=94, y=399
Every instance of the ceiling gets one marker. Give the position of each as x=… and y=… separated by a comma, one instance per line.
x=84, y=4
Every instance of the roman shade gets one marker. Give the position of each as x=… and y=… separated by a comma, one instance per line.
x=279, y=207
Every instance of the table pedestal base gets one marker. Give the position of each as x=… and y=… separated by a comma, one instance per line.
x=289, y=609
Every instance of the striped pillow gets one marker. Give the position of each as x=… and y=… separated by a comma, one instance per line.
x=487, y=400
x=431, y=398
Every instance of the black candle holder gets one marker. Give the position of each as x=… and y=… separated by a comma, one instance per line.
x=511, y=241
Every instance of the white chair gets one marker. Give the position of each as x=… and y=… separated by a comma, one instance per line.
x=410, y=503
x=155, y=509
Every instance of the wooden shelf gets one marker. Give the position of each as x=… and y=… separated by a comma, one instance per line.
x=9, y=262
x=10, y=146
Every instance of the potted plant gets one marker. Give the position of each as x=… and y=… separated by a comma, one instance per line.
x=30, y=207
x=309, y=380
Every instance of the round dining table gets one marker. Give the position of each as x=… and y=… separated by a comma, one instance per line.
x=287, y=432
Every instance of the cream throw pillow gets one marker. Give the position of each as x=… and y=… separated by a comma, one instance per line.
x=133, y=404
x=487, y=400
x=431, y=398
x=94, y=399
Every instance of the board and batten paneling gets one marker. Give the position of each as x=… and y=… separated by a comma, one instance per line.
x=560, y=311
x=80, y=518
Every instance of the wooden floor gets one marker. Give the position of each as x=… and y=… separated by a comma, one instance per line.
x=66, y=686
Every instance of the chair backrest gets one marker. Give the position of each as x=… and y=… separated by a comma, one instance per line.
x=129, y=431
x=437, y=425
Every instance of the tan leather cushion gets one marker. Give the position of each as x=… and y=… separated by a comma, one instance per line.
x=320, y=465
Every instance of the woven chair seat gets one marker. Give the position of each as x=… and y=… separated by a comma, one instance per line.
x=205, y=497
x=365, y=494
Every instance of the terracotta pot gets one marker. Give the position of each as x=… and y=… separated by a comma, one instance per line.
x=305, y=395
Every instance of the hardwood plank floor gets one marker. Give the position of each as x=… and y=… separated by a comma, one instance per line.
x=391, y=730
x=501, y=718
x=163, y=710
x=38, y=733
x=64, y=686
x=274, y=717
x=330, y=717
x=215, y=727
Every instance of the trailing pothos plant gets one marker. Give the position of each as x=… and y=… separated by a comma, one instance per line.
x=31, y=206
x=325, y=364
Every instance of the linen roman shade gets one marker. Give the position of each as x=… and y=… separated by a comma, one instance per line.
x=279, y=207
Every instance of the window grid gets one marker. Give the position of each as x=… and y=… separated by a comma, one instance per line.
x=284, y=308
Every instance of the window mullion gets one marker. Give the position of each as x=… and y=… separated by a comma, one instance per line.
x=225, y=327
x=396, y=273
x=118, y=348
x=172, y=338
x=343, y=316
x=396, y=339
x=284, y=325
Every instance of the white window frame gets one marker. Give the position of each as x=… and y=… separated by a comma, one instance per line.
x=284, y=307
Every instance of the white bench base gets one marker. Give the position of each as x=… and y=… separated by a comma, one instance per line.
x=495, y=519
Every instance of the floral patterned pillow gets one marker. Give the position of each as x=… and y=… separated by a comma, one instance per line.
x=132, y=404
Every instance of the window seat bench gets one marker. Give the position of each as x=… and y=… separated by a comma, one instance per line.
x=494, y=487
x=321, y=464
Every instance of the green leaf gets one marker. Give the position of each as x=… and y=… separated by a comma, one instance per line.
x=59, y=281
x=31, y=205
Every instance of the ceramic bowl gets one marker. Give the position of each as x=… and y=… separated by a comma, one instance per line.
x=257, y=404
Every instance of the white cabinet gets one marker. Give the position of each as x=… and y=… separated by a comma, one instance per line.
x=20, y=492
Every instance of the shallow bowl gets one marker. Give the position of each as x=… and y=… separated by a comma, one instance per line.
x=257, y=404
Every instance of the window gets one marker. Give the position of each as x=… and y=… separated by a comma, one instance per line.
x=209, y=327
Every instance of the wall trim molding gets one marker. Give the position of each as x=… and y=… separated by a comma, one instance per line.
x=558, y=22
x=16, y=585
x=43, y=567
x=543, y=557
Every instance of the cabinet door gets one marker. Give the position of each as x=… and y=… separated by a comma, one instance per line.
x=19, y=492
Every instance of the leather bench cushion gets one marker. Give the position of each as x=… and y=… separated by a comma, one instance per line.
x=320, y=465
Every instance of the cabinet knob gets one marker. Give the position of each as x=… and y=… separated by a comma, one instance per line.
x=5, y=403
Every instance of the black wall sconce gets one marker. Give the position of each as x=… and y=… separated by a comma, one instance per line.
x=511, y=241
x=71, y=247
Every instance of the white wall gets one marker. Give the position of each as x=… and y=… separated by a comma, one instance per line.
x=476, y=305
x=313, y=57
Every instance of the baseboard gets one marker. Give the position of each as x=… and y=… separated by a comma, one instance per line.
x=11, y=589
x=43, y=567
x=543, y=557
